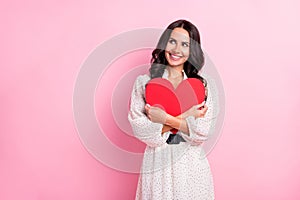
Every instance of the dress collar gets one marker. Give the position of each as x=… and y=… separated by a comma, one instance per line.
x=166, y=74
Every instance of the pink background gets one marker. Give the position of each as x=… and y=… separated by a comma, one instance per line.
x=254, y=45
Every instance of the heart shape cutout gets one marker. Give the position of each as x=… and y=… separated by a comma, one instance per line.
x=161, y=93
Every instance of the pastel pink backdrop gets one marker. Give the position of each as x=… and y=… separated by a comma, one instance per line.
x=254, y=45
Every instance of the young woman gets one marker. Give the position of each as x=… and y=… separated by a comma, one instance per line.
x=174, y=165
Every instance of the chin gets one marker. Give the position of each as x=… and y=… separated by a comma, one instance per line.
x=176, y=63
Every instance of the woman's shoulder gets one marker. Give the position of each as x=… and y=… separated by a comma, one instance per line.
x=142, y=79
x=211, y=87
x=209, y=80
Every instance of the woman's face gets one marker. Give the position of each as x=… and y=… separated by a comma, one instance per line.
x=178, y=47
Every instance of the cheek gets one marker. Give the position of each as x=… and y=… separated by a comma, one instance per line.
x=168, y=47
x=166, y=55
x=186, y=52
x=185, y=59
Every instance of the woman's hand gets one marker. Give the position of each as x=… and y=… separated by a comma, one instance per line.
x=196, y=111
x=156, y=114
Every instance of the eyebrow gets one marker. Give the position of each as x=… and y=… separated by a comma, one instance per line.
x=182, y=41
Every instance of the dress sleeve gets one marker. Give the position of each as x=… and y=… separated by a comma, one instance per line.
x=143, y=128
x=201, y=128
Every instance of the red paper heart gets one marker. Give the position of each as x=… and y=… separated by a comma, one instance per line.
x=161, y=93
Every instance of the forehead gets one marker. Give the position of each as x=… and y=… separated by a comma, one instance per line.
x=180, y=34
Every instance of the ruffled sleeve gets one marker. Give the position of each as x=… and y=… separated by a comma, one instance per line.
x=202, y=127
x=143, y=128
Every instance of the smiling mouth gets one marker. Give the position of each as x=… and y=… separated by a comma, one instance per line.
x=175, y=57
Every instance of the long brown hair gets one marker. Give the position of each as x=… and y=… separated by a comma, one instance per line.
x=195, y=61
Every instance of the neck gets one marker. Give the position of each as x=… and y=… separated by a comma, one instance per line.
x=175, y=71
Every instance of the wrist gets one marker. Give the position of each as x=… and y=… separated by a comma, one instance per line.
x=168, y=119
x=182, y=116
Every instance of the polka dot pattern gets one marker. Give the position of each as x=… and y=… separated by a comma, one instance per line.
x=172, y=171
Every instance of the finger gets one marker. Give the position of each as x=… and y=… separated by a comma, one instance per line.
x=204, y=110
x=147, y=107
x=203, y=103
x=198, y=106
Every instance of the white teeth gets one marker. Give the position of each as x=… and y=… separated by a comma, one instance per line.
x=174, y=56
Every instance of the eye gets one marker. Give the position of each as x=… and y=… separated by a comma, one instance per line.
x=185, y=44
x=172, y=41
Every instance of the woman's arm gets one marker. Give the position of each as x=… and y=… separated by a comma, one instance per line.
x=201, y=128
x=158, y=115
x=145, y=130
x=192, y=111
x=180, y=123
x=167, y=128
x=194, y=130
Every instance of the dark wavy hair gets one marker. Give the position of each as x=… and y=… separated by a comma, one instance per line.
x=195, y=61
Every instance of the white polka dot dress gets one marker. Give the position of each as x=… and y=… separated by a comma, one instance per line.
x=172, y=171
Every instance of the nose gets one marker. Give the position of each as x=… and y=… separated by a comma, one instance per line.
x=177, y=48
